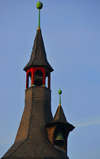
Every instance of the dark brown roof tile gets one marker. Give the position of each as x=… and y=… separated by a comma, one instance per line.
x=38, y=56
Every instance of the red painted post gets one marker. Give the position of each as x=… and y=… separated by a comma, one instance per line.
x=44, y=77
x=32, y=77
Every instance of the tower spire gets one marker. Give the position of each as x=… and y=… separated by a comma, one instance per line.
x=39, y=134
x=39, y=6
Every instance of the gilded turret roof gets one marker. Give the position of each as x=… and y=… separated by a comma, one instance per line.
x=38, y=55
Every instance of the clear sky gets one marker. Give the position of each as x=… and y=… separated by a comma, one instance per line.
x=71, y=33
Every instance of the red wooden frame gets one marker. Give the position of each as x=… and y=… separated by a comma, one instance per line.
x=33, y=70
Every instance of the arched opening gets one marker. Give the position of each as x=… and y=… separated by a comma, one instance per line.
x=38, y=78
x=59, y=138
x=29, y=79
x=46, y=80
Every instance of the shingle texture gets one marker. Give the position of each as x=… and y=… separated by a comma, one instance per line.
x=60, y=119
x=59, y=115
x=38, y=55
x=35, y=138
x=62, y=153
x=31, y=138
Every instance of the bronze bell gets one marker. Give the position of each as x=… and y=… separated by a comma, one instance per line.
x=59, y=139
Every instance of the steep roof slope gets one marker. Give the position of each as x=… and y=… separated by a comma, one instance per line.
x=38, y=55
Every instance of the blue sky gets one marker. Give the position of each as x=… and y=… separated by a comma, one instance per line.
x=71, y=33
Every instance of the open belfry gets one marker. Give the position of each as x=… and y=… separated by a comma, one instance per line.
x=40, y=135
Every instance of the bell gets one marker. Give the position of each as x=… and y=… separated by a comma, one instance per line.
x=38, y=78
x=59, y=139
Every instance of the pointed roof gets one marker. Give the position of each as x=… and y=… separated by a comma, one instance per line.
x=38, y=55
x=59, y=115
x=60, y=119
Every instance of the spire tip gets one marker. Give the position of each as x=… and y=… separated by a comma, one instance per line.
x=39, y=6
x=60, y=92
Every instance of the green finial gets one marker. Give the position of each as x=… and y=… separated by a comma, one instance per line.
x=39, y=6
x=59, y=92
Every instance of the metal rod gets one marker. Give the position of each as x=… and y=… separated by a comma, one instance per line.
x=39, y=20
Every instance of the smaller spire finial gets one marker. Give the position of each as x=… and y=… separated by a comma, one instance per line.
x=39, y=6
x=59, y=92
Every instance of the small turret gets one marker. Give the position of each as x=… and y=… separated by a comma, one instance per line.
x=59, y=128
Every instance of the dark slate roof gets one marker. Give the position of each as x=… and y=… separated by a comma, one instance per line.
x=31, y=140
x=61, y=152
x=38, y=55
x=60, y=119
x=59, y=115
